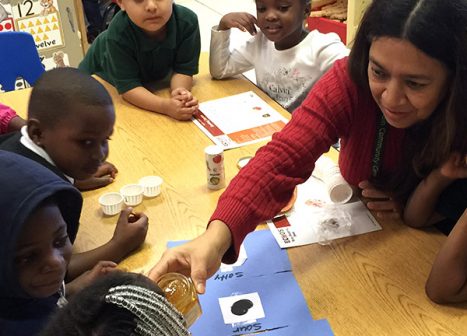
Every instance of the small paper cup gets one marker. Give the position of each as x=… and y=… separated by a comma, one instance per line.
x=132, y=194
x=339, y=190
x=111, y=203
x=151, y=185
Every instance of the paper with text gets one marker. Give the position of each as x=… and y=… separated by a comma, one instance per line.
x=238, y=120
x=314, y=218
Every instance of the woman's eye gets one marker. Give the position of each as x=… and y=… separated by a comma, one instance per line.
x=87, y=143
x=378, y=73
x=415, y=85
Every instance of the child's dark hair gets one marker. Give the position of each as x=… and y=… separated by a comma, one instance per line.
x=59, y=89
x=437, y=28
x=90, y=312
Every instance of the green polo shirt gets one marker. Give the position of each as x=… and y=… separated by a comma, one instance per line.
x=127, y=58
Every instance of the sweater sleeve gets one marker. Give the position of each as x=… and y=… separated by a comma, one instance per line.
x=266, y=184
x=6, y=114
x=224, y=63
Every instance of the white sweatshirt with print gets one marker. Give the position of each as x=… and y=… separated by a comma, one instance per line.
x=285, y=75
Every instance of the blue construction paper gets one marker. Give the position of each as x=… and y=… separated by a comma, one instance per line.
x=264, y=256
x=312, y=328
x=281, y=298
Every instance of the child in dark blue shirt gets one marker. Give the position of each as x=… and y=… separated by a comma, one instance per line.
x=39, y=221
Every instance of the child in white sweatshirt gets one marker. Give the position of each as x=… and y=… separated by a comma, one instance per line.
x=287, y=58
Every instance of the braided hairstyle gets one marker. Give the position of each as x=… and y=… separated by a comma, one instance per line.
x=120, y=303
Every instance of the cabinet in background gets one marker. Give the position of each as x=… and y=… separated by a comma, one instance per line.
x=346, y=31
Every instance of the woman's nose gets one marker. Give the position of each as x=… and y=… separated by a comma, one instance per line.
x=393, y=94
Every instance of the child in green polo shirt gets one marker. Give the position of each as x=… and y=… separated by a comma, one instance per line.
x=147, y=41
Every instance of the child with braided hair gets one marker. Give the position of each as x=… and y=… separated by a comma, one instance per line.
x=120, y=303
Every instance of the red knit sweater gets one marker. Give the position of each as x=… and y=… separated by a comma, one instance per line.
x=333, y=109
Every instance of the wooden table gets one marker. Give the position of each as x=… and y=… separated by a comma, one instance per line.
x=371, y=284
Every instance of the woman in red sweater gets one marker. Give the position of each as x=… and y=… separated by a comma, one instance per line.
x=398, y=106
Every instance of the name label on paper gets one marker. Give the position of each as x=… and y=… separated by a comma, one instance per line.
x=248, y=328
x=226, y=276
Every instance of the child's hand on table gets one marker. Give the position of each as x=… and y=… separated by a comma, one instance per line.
x=185, y=96
x=105, y=175
x=131, y=230
x=181, y=105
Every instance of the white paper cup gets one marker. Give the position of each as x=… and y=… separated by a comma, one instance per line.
x=111, y=203
x=132, y=194
x=338, y=189
x=151, y=185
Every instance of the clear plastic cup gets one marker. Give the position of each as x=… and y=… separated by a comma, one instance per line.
x=151, y=185
x=132, y=194
x=111, y=203
x=333, y=226
x=180, y=291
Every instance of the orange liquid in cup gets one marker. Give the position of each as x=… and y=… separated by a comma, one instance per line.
x=180, y=291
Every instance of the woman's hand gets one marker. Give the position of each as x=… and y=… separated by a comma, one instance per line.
x=199, y=258
x=379, y=201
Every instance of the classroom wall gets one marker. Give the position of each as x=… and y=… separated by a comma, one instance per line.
x=56, y=30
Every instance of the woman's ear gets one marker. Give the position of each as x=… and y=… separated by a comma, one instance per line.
x=35, y=130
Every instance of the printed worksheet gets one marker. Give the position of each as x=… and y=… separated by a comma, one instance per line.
x=238, y=120
x=315, y=219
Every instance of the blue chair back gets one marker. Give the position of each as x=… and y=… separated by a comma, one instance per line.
x=18, y=58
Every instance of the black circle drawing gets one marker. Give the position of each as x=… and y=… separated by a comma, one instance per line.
x=241, y=307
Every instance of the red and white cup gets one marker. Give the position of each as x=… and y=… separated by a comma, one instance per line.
x=215, y=173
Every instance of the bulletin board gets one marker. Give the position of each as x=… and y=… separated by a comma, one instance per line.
x=57, y=28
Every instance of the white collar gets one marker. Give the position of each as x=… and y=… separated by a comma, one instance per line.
x=27, y=142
